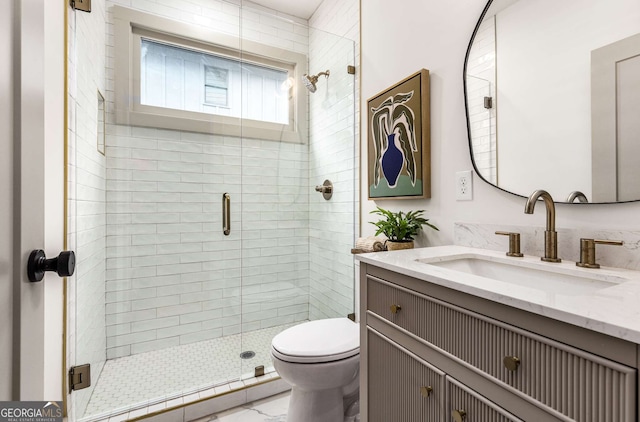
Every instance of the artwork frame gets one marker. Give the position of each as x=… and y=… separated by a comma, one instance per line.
x=400, y=113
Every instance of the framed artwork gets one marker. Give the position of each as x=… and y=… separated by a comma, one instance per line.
x=399, y=146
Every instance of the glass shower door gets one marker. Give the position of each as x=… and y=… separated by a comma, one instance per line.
x=332, y=156
x=165, y=306
x=297, y=264
x=154, y=306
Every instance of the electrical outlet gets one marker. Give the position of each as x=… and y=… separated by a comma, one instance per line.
x=464, y=186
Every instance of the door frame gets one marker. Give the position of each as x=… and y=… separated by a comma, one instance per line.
x=38, y=197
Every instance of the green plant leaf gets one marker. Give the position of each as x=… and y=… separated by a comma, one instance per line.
x=399, y=226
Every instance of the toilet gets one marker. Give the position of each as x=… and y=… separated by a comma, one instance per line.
x=320, y=360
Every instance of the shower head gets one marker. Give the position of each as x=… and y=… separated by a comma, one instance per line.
x=311, y=80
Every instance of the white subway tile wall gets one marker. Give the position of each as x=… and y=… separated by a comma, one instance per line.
x=173, y=278
x=86, y=196
x=481, y=83
x=333, y=137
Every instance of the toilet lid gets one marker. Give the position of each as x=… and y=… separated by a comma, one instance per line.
x=324, y=340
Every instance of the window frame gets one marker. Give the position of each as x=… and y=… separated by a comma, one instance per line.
x=132, y=25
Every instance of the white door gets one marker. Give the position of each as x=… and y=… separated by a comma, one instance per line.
x=615, y=105
x=628, y=126
x=31, y=175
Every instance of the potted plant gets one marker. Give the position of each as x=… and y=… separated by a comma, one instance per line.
x=399, y=227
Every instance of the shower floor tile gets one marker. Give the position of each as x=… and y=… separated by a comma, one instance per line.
x=171, y=375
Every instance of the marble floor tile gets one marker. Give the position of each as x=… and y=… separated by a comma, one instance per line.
x=271, y=409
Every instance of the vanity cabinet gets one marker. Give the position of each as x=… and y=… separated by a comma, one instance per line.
x=405, y=388
x=428, y=352
x=466, y=404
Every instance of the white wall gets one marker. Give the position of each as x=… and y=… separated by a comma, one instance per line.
x=533, y=121
x=6, y=200
x=440, y=45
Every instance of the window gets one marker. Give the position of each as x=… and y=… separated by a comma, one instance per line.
x=216, y=86
x=185, y=78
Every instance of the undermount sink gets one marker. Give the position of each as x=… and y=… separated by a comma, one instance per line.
x=535, y=275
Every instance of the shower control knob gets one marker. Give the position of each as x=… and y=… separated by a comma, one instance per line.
x=326, y=189
x=64, y=264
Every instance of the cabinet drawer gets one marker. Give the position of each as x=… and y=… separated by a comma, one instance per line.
x=570, y=381
x=402, y=387
x=464, y=404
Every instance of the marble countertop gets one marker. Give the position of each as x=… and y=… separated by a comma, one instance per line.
x=607, y=300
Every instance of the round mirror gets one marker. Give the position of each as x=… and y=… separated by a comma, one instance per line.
x=553, y=98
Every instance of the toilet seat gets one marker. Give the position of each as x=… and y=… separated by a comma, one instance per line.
x=320, y=341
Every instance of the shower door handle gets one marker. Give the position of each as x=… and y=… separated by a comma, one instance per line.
x=226, y=214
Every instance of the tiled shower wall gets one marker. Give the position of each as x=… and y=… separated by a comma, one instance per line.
x=172, y=277
x=331, y=156
x=481, y=82
x=86, y=196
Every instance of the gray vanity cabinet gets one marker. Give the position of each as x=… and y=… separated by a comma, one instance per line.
x=466, y=404
x=406, y=388
x=495, y=361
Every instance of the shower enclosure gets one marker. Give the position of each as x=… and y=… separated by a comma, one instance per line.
x=481, y=101
x=482, y=120
x=193, y=214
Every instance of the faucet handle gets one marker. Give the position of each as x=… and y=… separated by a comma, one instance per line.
x=588, y=251
x=514, y=243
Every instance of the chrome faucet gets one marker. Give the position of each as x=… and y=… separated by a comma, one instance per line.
x=550, y=235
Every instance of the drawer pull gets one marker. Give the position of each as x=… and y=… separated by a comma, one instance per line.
x=459, y=415
x=395, y=309
x=511, y=362
x=426, y=391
